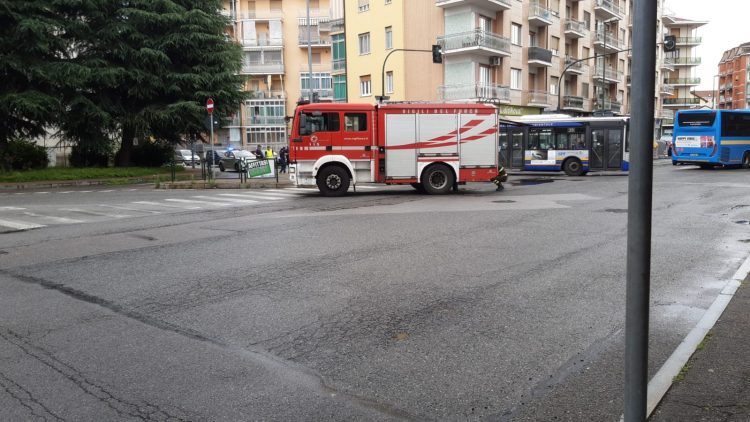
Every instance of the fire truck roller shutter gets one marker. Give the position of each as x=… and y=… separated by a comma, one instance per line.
x=478, y=139
x=400, y=142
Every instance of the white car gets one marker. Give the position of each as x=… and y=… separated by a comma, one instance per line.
x=185, y=157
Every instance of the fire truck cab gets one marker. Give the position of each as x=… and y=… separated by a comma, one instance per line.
x=433, y=147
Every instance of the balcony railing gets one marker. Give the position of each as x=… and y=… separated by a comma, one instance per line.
x=575, y=67
x=682, y=101
x=688, y=40
x=539, y=98
x=265, y=120
x=262, y=68
x=609, y=105
x=687, y=61
x=575, y=27
x=728, y=86
x=267, y=95
x=667, y=62
x=609, y=74
x=477, y=91
x=539, y=14
x=609, y=9
x=339, y=65
x=337, y=25
x=540, y=55
x=683, y=81
x=323, y=93
x=667, y=89
x=571, y=101
x=261, y=15
x=476, y=39
x=609, y=41
x=315, y=38
x=262, y=42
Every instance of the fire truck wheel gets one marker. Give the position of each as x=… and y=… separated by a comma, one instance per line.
x=333, y=181
x=437, y=179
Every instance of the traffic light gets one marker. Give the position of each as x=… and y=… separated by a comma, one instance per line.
x=437, y=54
x=670, y=43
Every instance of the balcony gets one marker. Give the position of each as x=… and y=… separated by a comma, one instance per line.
x=608, y=9
x=339, y=66
x=571, y=102
x=261, y=15
x=262, y=68
x=337, y=25
x=316, y=40
x=667, y=64
x=539, y=99
x=475, y=92
x=476, y=41
x=575, y=29
x=539, y=16
x=576, y=68
x=540, y=57
x=267, y=95
x=728, y=86
x=688, y=41
x=681, y=102
x=325, y=94
x=666, y=89
x=608, y=42
x=608, y=105
x=263, y=42
x=492, y=5
x=687, y=61
x=683, y=81
x=609, y=75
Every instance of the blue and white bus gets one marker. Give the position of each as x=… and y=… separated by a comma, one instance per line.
x=712, y=138
x=575, y=145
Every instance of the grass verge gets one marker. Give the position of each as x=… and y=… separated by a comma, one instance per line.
x=62, y=174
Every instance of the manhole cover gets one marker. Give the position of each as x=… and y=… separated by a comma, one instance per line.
x=534, y=181
x=504, y=201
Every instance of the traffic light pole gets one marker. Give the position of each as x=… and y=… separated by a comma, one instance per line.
x=569, y=65
x=382, y=72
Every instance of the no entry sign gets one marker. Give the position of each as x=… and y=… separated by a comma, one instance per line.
x=210, y=106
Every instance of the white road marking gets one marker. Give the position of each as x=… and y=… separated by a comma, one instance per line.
x=18, y=225
x=108, y=190
x=302, y=189
x=40, y=193
x=191, y=201
x=270, y=194
x=157, y=204
x=94, y=213
x=61, y=220
x=12, y=208
x=238, y=201
x=118, y=207
x=265, y=198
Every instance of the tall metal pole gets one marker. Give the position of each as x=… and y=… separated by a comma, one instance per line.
x=604, y=60
x=640, y=187
x=309, y=55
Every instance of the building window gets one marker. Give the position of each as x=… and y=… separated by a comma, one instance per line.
x=387, y=1
x=555, y=46
x=388, y=37
x=365, y=86
x=515, y=34
x=587, y=20
x=515, y=78
x=339, y=88
x=364, y=43
x=322, y=84
x=554, y=83
x=364, y=5
x=389, y=82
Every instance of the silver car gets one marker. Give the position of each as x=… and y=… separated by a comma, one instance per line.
x=185, y=157
x=232, y=159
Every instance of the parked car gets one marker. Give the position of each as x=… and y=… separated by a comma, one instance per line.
x=213, y=157
x=185, y=157
x=232, y=159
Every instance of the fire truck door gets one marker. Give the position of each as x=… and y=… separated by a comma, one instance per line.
x=320, y=127
x=400, y=144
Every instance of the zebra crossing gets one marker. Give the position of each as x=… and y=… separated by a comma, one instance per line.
x=20, y=217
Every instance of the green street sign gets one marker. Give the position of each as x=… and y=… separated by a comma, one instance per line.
x=257, y=168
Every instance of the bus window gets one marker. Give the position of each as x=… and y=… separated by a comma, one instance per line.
x=540, y=139
x=735, y=124
x=696, y=119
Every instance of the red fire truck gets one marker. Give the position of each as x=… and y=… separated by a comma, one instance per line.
x=433, y=147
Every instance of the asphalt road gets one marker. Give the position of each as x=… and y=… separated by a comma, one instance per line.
x=382, y=305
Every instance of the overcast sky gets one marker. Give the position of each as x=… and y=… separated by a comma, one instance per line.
x=728, y=26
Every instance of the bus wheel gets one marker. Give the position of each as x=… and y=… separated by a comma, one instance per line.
x=333, y=181
x=573, y=167
x=418, y=187
x=704, y=166
x=746, y=160
x=437, y=179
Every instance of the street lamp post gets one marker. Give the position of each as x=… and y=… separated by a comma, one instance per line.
x=571, y=64
x=716, y=91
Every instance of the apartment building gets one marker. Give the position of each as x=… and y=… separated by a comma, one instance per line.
x=377, y=30
x=276, y=37
x=734, y=78
x=681, y=64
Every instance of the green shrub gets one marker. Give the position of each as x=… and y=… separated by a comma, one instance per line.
x=91, y=154
x=24, y=155
x=151, y=154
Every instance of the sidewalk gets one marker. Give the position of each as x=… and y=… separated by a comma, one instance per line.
x=715, y=385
